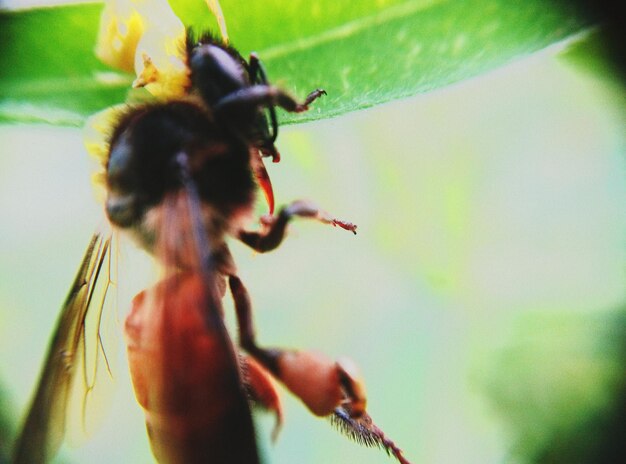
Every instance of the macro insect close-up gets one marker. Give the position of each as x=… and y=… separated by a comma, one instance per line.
x=179, y=175
x=227, y=300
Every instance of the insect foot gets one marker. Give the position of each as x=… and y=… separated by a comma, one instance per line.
x=336, y=389
x=305, y=208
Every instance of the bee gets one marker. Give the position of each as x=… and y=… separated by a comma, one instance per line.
x=181, y=176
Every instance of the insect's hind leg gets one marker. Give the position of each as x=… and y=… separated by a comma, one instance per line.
x=326, y=387
x=247, y=337
x=322, y=384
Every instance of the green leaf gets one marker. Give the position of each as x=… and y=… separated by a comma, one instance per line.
x=363, y=53
x=48, y=70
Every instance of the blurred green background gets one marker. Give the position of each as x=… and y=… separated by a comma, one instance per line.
x=484, y=297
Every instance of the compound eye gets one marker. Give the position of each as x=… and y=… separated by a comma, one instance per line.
x=121, y=199
x=119, y=167
x=121, y=209
x=216, y=73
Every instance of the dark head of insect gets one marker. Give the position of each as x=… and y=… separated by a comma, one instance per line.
x=222, y=126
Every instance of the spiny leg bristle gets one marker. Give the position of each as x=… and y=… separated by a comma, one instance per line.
x=363, y=431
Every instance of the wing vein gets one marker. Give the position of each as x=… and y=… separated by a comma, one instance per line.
x=43, y=429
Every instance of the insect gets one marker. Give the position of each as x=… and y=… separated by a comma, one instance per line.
x=181, y=175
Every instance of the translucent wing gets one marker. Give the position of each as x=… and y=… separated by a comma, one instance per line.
x=44, y=427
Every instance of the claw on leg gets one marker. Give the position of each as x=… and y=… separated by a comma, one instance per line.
x=304, y=106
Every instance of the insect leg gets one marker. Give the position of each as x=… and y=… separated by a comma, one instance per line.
x=261, y=388
x=325, y=386
x=317, y=93
x=258, y=76
x=247, y=337
x=268, y=239
x=262, y=96
x=363, y=430
x=256, y=70
x=321, y=383
x=272, y=237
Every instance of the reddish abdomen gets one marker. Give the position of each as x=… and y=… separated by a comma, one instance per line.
x=186, y=378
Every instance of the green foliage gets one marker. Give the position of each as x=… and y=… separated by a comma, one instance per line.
x=562, y=388
x=48, y=69
x=362, y=53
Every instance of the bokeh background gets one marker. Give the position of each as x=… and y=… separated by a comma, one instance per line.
x=484, y=296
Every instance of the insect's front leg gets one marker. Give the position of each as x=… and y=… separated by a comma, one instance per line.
x=274, y=233
x=256, y=70
x=310, y=98
x=322, y=384
x=258, y=76
x=263, y=96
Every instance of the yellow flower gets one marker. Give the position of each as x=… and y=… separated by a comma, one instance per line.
x=121, y=27
x=147, y=37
